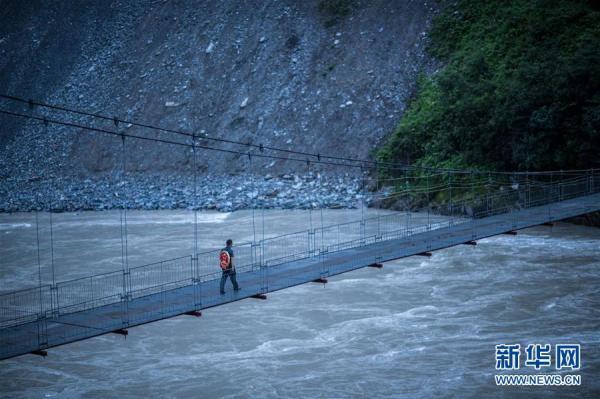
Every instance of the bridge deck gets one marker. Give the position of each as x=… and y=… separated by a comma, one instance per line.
x=61, y=329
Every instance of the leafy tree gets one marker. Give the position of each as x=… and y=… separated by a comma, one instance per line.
x=519, y=89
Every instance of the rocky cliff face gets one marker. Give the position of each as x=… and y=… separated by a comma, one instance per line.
x=292, y=74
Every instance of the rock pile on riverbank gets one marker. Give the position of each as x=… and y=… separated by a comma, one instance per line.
x=160, y=191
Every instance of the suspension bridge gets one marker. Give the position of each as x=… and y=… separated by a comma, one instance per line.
x=433, y=209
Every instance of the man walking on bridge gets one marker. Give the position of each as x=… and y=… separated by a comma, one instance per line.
x=226, y=263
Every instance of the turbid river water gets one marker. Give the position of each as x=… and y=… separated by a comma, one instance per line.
x=418, y=328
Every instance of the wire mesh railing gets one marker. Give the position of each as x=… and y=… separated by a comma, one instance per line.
x=89, y=292
x=24, y=306
x=161, y=276
x=286, y=248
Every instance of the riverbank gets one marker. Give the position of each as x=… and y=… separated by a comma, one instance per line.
x=161, y=191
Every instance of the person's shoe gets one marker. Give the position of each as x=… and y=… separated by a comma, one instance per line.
x=222, y=292
x=237, y=289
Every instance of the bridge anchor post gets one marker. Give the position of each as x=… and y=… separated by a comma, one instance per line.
x=40, y=352
x=121, y=331
x=376, y=265
x=428, y=254
x=259, y=296
x=320, y=280
x=471, y=242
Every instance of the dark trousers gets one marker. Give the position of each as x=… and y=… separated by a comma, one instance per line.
x=231, y=274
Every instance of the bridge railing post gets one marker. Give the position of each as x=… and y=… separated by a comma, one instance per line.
x=54, y=303
x=560, y=194
x=311, y=242
x=196, y=281
x=125, y=299
x=362, y=232
x=255, y=255
x=428, y=219
x=42, y=329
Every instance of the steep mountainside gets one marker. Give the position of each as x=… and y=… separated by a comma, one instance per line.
x=326, y=76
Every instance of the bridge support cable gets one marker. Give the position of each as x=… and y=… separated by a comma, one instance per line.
x=53, y=290
x=323, y=251
x=362, y=206
x=318, y=158
x=123, y=223
x=256, y=246
x=450, y=206
x=259, y=246
x=196, y=277
x=195, y=198
x=311, y=244
x=473, y=193
x=377, y=177
x=310, y=207
x=37, y=237
x=42, y=335
x=254, y=199
x=41, y=317
x=428, y=201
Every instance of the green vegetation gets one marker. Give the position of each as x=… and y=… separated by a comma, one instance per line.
x=519, y=89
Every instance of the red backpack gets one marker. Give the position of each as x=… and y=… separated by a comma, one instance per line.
x=224, y=259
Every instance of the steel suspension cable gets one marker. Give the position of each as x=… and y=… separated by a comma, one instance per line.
x=165, y=141
x=261, y=147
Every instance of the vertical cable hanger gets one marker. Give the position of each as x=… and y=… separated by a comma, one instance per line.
x=51, y=210
x=310, y=206
x=195, y=201
x=363, y=196
x=39, y=261
x=261, y=149
x=39, y=257
x=195, y=262
x=450, y=195
x=37, y=237
x=321, y=208
x=253, y=203
x=123, y=213
x=124, y=244
x=428, y=201
x=380, y=203
x=52, y=251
